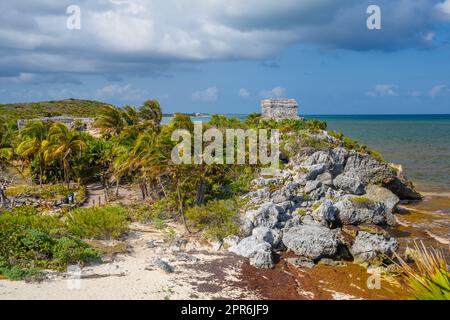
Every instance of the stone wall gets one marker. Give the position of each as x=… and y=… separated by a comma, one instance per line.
x=279, y=109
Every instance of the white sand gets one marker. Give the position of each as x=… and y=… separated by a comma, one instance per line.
x=126, y=276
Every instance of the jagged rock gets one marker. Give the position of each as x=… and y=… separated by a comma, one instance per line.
x=371, y=171
x=349, y=182
x=325, y=178
x=359, y=210
x=259, y=252
x=246, y=227
x=311, y=241
x=371, y=247
x=258, y=195
x=385, y=196
x=267, y=215
x=312, y=185
x=271, y=236
x=327, y=212
x=262, y=259
x=162, y=265
x=314, y=171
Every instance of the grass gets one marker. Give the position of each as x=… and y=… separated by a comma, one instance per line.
x=429, y=276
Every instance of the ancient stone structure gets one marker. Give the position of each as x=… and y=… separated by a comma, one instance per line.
x=80, y=124
x=279, y=109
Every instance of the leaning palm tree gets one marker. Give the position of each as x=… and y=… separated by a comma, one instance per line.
x=64, y=144
x=33, y=144
x=6, y=147
x=150, y=112
x=111, y=121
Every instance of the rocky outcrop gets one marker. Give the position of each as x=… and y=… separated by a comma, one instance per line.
x=325, y=204
x=311, y=241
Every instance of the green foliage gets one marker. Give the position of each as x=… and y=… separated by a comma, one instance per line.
x=216, y=218
x=69, y=107
x=98, y=222
x=30, y=240
x=429, y=277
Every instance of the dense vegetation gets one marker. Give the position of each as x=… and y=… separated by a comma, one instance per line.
x=70, y=107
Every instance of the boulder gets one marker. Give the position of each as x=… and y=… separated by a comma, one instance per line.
x=372, y=171
x=312, y=185
x=271, y=236
x=311, y=241
x=327, y=212
x=259, y=252
x=314, y=171
x=359, y=210
x=369, y=247
x=350, y=183
x=385, y=196
x=267, y=215
x=325, y=178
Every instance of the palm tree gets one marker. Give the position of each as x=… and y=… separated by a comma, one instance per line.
x=151, y=112
x=34, y=143
x=64, y=143
x=111, y=121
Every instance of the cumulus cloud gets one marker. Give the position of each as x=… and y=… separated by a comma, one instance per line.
x=437, y=90
x=209, y=94
x=273, y=93
x=443, y=10
x=383, y=90
x=244, y=92
x=149, y=36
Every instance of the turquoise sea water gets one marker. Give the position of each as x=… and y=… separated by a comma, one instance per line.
x=421, y=143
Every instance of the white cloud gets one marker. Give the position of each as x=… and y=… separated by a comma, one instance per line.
x=443, y=10
x=273, y=93
x=436, y=90
x=142, y=35
x=382, y=90
x=244, y=93
x=209, y=94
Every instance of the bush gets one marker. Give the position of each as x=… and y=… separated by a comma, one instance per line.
x=29, y=240
x=98, y=223
x=216, y=218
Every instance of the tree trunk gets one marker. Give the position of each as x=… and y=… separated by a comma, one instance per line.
x=201, y=190
x=141, y=186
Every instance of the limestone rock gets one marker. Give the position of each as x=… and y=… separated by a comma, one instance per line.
x=311, y=241
x=370, y=247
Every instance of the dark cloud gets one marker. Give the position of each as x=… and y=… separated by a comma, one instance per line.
x=151, y=37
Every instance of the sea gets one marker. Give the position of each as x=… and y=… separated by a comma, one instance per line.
x=421, y=144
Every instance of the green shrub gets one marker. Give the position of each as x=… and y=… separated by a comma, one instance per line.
x=217, y=218
x=29, y=240
x=98, y=222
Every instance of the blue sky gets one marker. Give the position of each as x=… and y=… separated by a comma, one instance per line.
x=225, y=56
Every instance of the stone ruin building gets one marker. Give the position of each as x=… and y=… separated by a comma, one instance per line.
x=279, y=109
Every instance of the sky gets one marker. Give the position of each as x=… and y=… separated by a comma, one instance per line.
x=224, y=56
